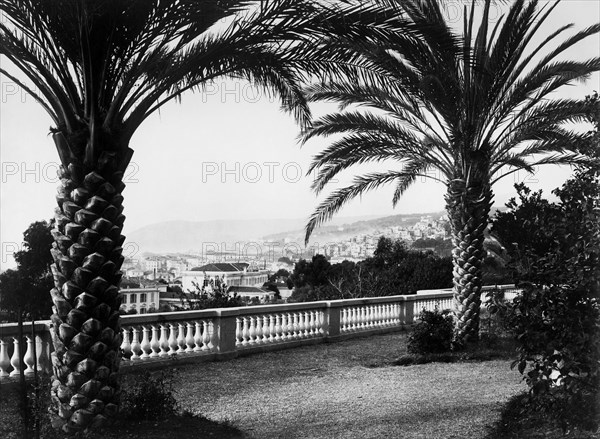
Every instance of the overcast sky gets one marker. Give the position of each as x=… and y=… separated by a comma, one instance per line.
x=227, y=153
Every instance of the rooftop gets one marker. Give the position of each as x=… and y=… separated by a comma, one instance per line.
x=225, y=267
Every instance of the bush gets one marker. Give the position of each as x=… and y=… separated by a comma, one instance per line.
x=149, y=396
x=556, y=257
x=433, y=334
x=559, y=345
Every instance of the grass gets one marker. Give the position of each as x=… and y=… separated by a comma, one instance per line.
x=327, y=391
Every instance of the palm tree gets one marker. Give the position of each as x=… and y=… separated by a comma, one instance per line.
x=100, y=68
x=464, y=109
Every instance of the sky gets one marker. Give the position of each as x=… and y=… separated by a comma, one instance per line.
x=226, y=153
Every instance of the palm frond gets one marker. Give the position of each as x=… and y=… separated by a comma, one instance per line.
x=360, y=185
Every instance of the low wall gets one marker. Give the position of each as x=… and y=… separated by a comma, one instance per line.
x=222, y=334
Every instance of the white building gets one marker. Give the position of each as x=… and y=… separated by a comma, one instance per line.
x=232, y=274
x=142, y=299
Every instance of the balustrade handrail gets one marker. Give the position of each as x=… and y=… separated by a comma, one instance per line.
x=228, y=332
x=11, y=329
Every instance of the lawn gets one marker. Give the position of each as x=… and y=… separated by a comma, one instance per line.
x=343, y=390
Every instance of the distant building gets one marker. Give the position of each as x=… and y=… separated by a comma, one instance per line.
x=250, y=293
x=142, y=299
x=231, y=273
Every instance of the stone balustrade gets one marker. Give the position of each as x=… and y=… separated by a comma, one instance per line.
x=220, y=334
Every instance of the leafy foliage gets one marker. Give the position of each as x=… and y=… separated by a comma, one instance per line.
x=27, y=287
x=433, y=334
x=149, y=396
x=392, y=270
x=557, y=317
x=214, y=295
x=399, y=270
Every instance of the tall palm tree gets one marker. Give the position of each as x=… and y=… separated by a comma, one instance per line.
x=100, y=68
x=462, y=108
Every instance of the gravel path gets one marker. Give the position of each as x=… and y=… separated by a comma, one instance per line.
x=329, y=391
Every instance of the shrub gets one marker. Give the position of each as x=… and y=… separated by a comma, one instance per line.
x=556, y=256
x=433, y=334
x=149, y=396
x=559, y=350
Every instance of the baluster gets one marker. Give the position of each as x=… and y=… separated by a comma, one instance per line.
x=271, y=328
x=295, y=333
x=42, y=359
x=155, y=342
x=259, y=330
x=348, y=313
x=4, y=359
x=251, y=331
x=181, y=339
x=353, y=319
x=210, y=329
x=244, y=331
x=238, y=331
x=15, y=361
x=321, y=320
x=290, y=326
x=135, y=345
x=360, y=318
x=266, y=330
x=346, y=319
x=205, y=336
x=28, y=358
x=126, y=344
x=372, y=318
x=145, y=345
x=284, y=326
x=301, y=325
x=306, y=324
x=164, y=341
x=189, y=338
x=173, y=345
x=313, y=324
x=277, y=327
x=312, y=315
x=198, y=337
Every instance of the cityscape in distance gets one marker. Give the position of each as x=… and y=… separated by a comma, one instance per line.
x=167, y=250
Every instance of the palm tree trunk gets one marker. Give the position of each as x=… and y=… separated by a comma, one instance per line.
x=85, y=326
x=468, y=209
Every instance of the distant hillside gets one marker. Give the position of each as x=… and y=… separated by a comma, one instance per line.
x=191, y=236
x=339, y=232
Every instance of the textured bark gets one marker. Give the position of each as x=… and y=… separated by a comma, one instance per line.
x=468, y=209
x=85, y=322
